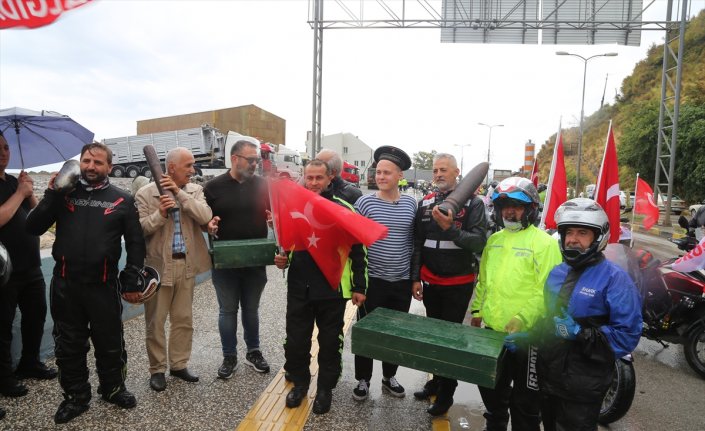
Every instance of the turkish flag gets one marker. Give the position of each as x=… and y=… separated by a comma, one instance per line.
x=644, y=203
x=693, y=261
x=305, y=221
x=535, y=173
x=557, y=188
x=33, y=14
x=607, y=188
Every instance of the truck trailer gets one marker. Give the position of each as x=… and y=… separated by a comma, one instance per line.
x=206, y=144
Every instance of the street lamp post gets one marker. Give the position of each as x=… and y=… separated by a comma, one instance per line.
x=582, y=108
x=489, y=145
x=462, y=155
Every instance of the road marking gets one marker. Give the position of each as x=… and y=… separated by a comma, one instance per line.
x=270, y=413
x=440, y=423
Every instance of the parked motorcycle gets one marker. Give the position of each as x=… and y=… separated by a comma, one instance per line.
x=673, y=309
x=675, y=306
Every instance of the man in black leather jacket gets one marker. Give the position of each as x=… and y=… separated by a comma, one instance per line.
x=310, y=299
x=444, y=264
x=339, y=187
x=85, y=297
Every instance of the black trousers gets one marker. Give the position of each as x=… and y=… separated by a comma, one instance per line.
x=559, y=414
x=449, y=303
x=516, y=392
x=82, y=311
x=328, y=314
x=27, y=290
x=395, y=295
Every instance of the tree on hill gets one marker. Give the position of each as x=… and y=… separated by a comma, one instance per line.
x=635, y=122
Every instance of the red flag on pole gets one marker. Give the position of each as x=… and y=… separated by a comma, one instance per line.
x=305, y=221
x=607, y=188
x=23, y=13
x=644, y=203
x=556, y=190
x=535, y=173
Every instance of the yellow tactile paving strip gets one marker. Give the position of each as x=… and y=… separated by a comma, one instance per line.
x=270, y=413
x=440, y=423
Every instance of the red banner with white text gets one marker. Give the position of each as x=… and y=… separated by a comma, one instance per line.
x=34, y=13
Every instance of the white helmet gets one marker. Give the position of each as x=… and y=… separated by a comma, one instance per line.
x=584, y=213
x=5, y=265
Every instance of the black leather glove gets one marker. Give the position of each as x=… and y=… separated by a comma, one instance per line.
x=129, y=279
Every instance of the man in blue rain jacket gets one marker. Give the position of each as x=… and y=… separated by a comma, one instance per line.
x=593, y=316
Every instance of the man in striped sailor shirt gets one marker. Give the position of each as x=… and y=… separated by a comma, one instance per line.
x=389, y=259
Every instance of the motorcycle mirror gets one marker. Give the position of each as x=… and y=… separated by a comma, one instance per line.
x=683, y=222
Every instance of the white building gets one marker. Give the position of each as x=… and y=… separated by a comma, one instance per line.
x=351, y=149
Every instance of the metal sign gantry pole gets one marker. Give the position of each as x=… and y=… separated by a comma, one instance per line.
x=670, y=107
x=429, y=17
x=317, y=25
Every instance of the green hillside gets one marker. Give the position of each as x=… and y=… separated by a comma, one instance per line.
x=635, y=122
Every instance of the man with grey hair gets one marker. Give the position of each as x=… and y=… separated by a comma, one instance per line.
x=177, y=250
x=239, y=200
x=444, y=266
x=341, y=188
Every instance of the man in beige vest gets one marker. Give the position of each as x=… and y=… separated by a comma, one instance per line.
x=177, y=250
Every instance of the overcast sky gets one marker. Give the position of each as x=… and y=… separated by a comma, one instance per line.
x=113, y=62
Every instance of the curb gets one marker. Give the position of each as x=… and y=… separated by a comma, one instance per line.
x=666, y=233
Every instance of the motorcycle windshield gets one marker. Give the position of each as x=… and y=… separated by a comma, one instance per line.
x=625, y=258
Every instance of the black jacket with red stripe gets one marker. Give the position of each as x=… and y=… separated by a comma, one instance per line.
x=89, y=227
x=449, y=253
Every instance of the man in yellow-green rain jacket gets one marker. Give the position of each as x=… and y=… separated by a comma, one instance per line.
x=509, y=298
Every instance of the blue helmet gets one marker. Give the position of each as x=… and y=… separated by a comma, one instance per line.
x=517, y=190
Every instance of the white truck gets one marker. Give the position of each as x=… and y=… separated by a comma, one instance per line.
x=206, y=144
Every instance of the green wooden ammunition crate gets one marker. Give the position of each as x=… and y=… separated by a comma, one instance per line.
x=243, y=253
x=447, y=349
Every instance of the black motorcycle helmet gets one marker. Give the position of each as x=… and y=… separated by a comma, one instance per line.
x=147, y=282
x=516, y=190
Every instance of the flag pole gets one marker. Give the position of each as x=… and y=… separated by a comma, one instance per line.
x=600, y=176
x=549, y=185
x=636, y=186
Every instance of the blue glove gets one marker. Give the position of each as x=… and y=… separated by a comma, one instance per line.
x=513, y=341
x=566, y=327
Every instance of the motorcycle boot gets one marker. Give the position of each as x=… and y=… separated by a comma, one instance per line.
x=444, y=399
x=443, y=403
x=496, y=422
x=71, y=407
x=119, y=396
x=429, y=389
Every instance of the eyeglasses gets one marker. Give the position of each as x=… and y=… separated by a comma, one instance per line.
x=250, y=160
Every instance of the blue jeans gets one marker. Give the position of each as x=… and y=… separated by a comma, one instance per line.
x=241, y=287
